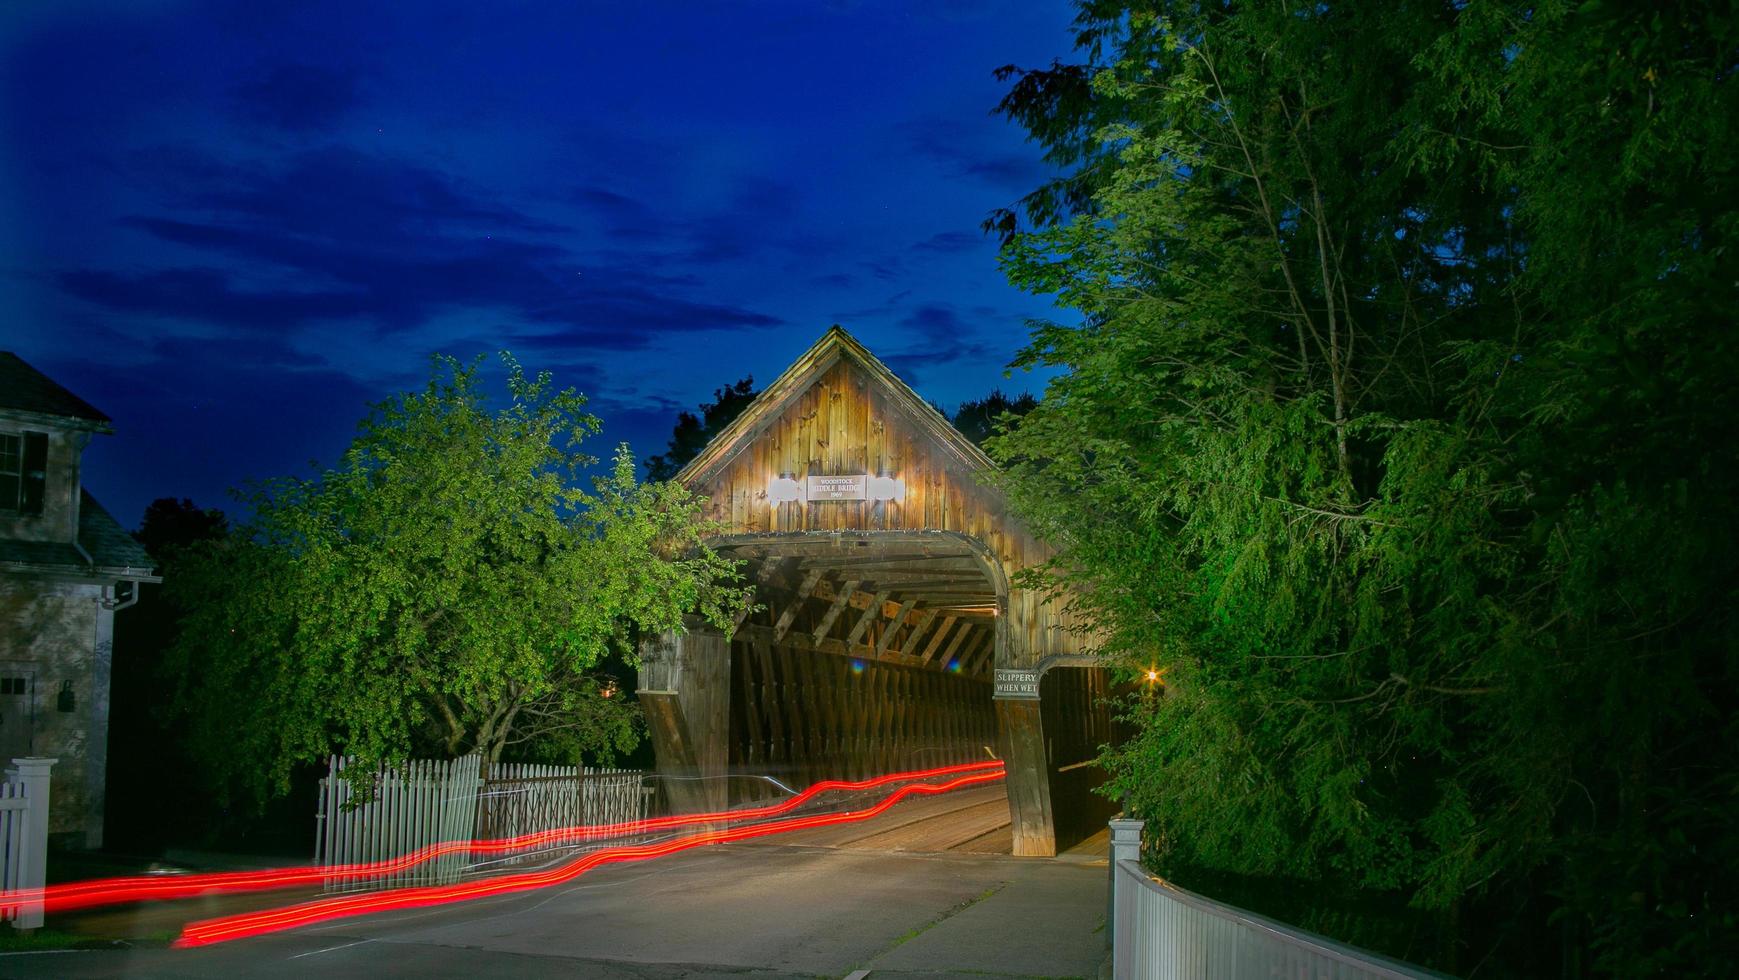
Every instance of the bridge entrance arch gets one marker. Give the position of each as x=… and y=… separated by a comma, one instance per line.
x=892, y=633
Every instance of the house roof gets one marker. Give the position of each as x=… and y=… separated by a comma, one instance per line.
x=112, y=549
x=835, y=345
x=25, y=389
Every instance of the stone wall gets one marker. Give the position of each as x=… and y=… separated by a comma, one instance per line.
x=56, y=632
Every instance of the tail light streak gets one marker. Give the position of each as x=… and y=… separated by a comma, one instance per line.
x=233, y=927
x=72, y=896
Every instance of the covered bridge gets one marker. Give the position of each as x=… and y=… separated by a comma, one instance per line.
x=891, y=637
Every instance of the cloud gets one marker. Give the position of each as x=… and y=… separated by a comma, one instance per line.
x=620, y=215
x=936, y=318
x=887, y=268
x=202, y=294
x=393, y=244
x=297, y=98
x=882, y=309
x=950, y=241
x=914, y=365
x=340, y=192
x=759, y=215
x=963, y=344
x=961, y=151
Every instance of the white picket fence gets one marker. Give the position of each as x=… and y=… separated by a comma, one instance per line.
x=425, y=803
x=24, y=800
x=417, y=805
x=590, y=804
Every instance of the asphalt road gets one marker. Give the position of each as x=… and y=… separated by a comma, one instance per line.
x=736, y=910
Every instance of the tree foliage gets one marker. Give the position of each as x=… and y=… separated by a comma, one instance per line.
x=692, y=432
x=980, y=418
x=1395, y=435
x=447, y=588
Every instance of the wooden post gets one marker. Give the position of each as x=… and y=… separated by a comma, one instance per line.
x=685, y=683
x=755, y=748
x=773, y=703
x=1021, y=743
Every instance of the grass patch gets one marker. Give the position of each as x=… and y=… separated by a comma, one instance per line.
x=34, y=940
x=917, y=931
x=46, y=939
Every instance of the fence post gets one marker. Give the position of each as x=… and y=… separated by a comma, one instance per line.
x=33, y=861
x=1125, y=846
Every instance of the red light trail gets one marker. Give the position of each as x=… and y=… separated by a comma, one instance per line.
x=76, y=895
x=227, y=928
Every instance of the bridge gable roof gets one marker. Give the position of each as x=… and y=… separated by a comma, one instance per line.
x=779, y=397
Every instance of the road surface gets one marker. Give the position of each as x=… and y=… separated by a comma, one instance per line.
x=792, y=908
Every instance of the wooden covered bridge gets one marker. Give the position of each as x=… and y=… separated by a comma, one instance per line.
x=891, y=635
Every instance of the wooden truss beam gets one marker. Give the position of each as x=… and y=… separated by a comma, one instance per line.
x=894, y=625
x=871, y=613
x=799, y=640
x=839, y=603
x=790, y=614
x=983, y=652
x=948, y=622
x=959, y=634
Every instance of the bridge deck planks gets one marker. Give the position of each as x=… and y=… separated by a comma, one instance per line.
x=974, y=820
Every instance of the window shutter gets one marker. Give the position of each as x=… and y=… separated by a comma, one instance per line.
x=35, y=475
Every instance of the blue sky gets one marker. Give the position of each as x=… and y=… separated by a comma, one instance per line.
x=232, y=226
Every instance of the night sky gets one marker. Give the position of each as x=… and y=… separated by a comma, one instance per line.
x=232, y=226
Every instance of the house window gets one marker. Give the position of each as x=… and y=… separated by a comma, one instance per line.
x=23, y=470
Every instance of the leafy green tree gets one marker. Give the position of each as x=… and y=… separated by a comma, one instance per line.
x=1395, y=436
x=980, y=418
x=693, y=432
x=446, y=587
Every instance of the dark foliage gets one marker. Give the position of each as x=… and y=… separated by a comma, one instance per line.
x=692, y=432
x=982, y=418
x=148, y=762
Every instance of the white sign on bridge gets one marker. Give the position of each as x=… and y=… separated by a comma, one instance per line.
x=1022, y=685
x=836, y=487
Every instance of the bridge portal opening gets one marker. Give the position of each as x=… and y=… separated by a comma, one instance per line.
x=871, y=654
